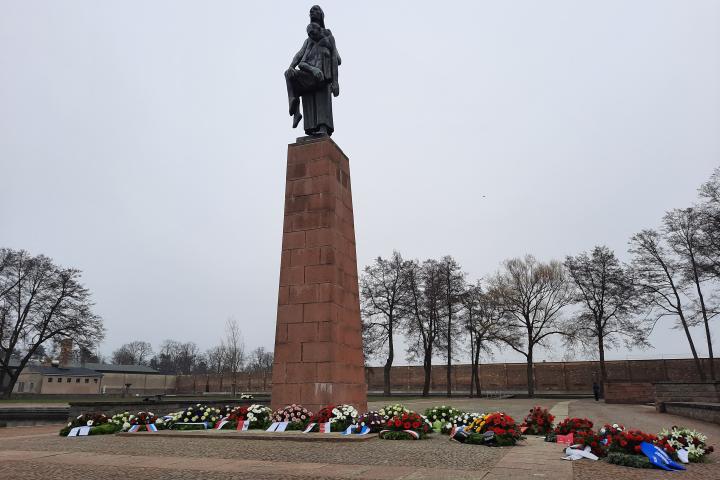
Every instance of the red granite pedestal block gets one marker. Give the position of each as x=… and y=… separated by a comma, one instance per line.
x=318, y=343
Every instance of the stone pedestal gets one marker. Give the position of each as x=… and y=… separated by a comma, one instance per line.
x=318, y=342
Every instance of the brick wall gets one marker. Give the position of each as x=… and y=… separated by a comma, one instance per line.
x=685, y=392
x=495, y=377
x=629, y=392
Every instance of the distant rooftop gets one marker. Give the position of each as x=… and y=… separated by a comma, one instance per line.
x=108, y=368
x=70, y=371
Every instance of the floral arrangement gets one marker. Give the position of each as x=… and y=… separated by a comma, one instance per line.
x=678, y=438
x=237, y=413
x=372, y=419
x=463, y=419
x=339, y=416
x=394, y=410
x=257, y=416
x=145, y=418
x=573, y=425
x=297, y=415
x=628, y=441
x=406, y=426
x=539, y=421
x=197, y=413
x=608, y=431
x=504, y=430
x=98, y=422
x=126, y=420
x=440, y=417
x=92, y=419
x=595, y=441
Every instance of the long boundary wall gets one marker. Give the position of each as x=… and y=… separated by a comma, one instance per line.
x=496, y=377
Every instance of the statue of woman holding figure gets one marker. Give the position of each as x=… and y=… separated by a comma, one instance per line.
x=313, y=76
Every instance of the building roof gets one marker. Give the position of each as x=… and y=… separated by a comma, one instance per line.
x=108, y=368
x=66, y=372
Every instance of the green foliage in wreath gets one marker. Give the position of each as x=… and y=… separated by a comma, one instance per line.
x=393, y=435
x=180, y=426
x=498, y=441
x=627, y=460
x=103, y=429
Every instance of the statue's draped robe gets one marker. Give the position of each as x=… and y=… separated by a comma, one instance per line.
x=317, y=103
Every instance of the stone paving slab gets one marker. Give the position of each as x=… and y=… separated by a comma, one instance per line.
x=311, y=470
x=292, y=436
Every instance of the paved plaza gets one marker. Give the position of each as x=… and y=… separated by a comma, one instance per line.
x=38, y=452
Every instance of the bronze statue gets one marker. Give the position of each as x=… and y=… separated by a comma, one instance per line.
x=313, y=76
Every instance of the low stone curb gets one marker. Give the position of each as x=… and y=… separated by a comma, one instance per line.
x=292, y=436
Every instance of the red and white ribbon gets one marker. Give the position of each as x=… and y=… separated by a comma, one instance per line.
x=325, y=427
x=243, y=425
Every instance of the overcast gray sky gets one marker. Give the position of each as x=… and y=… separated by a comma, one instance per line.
x=144, y=142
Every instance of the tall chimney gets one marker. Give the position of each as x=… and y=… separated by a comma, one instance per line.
x=65, y=352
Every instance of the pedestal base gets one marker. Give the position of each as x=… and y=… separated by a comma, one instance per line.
x=318, y=341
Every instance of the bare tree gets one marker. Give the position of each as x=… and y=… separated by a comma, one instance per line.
x=176, y=358
x=607, y=295
x=216, y=358
x=384, y=293
x=659, y=276
x=483, y=319
x=424, y=306
x=234, y=348
x=261, y=362
x=136, y=352
x=39, y=302
x=709, y=211
x=532, y=294
x=453, y=288
x=682, y=229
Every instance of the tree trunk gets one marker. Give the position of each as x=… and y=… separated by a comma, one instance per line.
x=477, y=370
x=472, y=364
x=427, y=366
x=388, y=363
x=386, y=376
x=530, y=376
x=449, y=357
x=698, y=365
x=705, y=320
x=603, y=370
